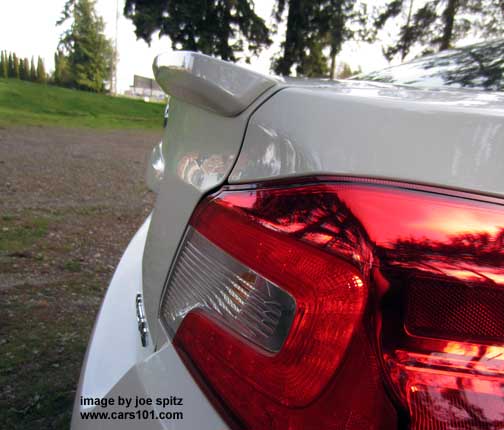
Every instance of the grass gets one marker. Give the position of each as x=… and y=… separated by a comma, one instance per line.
x=45, y=322
x=27, y=103
x=41, y=357
x=72, y=266
x=15, y=236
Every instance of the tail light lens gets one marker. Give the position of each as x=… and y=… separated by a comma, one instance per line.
x=344, y=305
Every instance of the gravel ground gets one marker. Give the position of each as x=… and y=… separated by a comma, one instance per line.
x=70, y=200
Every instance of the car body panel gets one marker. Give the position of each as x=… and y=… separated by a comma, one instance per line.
x=116, y=364
x=450, y=138
x=115, y=342
x=209, y=83
x=199, y=150
x=288, y=130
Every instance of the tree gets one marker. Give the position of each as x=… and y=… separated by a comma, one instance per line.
x=214, y=27
x=4, y=69
x=41, y=74
x=448, y=19
x=488, y=18
x=89, y=52
x=438, y=24
x=403, y=45
x=304, y=40
x=15, y=63
x=345, y=20
x=11, y=72
x=345, y=71
x=302, y=47
x=21, y=69
x=62, y=75
x=33, y=71
x=26, y=68
x=313, y=26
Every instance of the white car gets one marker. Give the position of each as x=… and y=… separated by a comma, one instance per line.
x=321, y=255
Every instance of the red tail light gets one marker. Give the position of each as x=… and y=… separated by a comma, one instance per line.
x=351, y=305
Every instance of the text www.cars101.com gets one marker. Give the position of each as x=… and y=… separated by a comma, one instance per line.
x=132, y=415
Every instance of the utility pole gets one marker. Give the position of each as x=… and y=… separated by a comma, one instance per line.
x=113, y=68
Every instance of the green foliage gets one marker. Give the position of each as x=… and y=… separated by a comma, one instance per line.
x=345, y=20
x=345, y=71
x=26, y=70
x=41, y=73
x=12, y=66
x=313, y=26
x=219, y=28
x=19, y=237
x=40, y=105
x=33, y=71
x=22, y=73
x=72, y=266
x=62, y=75
x=304, y=39
x=335, y=24
x=15, y=61
x=86, y=53
x=11, y=72
x=44, y=364
x=4, y=66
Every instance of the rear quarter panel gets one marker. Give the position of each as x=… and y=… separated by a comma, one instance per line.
x=200, y=149
x=438, y=137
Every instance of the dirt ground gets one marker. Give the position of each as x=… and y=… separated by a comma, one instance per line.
x=70, y=200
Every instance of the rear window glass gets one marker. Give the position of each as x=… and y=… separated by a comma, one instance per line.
x=478, y=66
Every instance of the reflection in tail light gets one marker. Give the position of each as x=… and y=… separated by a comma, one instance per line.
x=349, y=304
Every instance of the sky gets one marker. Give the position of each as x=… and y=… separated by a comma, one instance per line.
x=28, y=27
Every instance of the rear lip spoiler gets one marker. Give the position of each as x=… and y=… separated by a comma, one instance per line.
x=212, y=84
